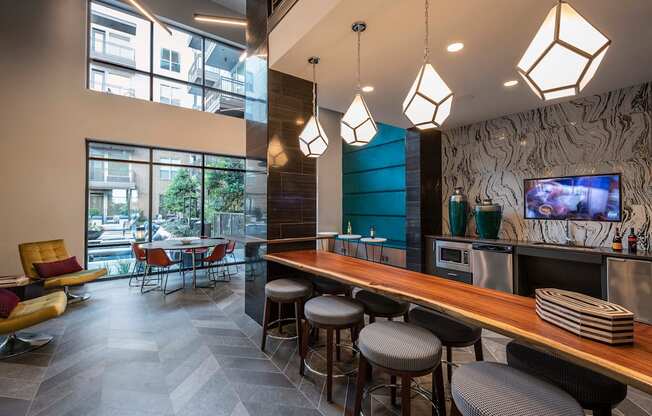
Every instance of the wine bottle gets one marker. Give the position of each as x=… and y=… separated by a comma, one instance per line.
x=349, y=229
x=632, y=241
x=372, y=232
x=617, y=243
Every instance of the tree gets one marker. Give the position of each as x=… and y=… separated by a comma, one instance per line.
x=183, y=190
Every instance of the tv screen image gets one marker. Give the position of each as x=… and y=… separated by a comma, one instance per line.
x=587, y=198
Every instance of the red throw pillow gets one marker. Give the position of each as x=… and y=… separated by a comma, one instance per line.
x=57, y=268
x=8, y=301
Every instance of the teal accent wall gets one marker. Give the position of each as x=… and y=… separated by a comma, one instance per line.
x=373, y=186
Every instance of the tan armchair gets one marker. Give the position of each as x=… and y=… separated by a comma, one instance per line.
x=53, y=250
x=29, y=313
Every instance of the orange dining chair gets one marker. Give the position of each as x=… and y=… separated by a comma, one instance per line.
x=140, y=263
x=230, y=251
x=158, y=259
x=214, y=260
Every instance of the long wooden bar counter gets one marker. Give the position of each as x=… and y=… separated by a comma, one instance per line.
x=511, y=315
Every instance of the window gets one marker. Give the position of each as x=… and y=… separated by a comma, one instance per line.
x=188, y=194
x=170, y=60
x=186, y=70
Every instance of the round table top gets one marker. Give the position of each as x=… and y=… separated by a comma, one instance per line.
x=176, y=244
x=373, y=240
x=349, y=236
x=327, y=233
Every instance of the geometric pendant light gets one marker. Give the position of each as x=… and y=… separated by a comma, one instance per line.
x=564, y=54
x=312, y=140
x=429, y=101
x=358, y=127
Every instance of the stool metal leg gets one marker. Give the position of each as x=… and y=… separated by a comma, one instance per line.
x=392, y=390
x=265, y=323
x=449, y=368
x=479, y=356
x=438, y=391
x=363, y=366
x=406, y=395
x=329, y=365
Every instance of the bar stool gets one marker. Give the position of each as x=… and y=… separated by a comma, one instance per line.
x=493, y=389
x=325, y=286
x=452, y=332
x=402, y=350
x=593, y=391
x=332, y=313
x=378, y=306
x=284, y=291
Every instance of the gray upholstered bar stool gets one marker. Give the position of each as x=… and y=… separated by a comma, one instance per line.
x=378, y=306
x=284, y=291
x=331, y=313
x=593, y=391
x=405, y=351
x=452, y=333
x=493, y=389
x=324, y=286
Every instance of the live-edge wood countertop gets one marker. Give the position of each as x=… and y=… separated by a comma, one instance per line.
x=510, y=315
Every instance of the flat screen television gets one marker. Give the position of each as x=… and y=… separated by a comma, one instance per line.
x=584, y=198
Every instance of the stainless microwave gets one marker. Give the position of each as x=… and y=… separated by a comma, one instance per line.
x=453, y=255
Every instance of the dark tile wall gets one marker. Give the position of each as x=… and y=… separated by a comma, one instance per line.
x=281, y=183
x=423, y=196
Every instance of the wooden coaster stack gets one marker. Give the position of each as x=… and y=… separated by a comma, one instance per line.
x=586, y=316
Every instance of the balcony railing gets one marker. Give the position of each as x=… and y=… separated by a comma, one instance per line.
x=116, y=52
x=113, y=89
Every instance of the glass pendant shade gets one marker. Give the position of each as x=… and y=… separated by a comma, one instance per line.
x=358, y=127
x=564, y=54
x=312, y=140
x=429, y=101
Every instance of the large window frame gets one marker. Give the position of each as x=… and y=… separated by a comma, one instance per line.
x=151, y=163
x=205, y=89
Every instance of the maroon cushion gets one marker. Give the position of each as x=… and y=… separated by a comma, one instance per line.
x=57, y=268
x=8, y=301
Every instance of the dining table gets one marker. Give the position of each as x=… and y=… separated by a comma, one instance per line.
x=511, y=315
x=191, y=245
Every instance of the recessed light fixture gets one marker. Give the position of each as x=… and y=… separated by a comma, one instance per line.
x=455, y=47
x=510, y=83
x=224, y=20
x=368, y=88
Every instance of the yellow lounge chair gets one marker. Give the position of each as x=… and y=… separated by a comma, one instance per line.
x=26, y=314
x=53, y=250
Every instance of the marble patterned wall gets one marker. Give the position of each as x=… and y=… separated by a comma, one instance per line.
x=603, y=133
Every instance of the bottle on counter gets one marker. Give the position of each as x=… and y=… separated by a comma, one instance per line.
x=617, y=243
x=372, y=232
x=632, y=241
x=349, y=229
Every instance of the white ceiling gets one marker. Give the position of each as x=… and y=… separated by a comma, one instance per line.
x=495, y=34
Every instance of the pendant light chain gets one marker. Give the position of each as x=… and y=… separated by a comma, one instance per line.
x=426, y=41
x=314, y=89
x=359, y=83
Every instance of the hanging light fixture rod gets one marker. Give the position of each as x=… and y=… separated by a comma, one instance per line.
x=148, y=14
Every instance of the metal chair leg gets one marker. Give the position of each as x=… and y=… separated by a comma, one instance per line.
x=15, y=345
x=72, y=298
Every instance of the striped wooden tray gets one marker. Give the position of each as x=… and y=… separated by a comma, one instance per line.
x=586, y=316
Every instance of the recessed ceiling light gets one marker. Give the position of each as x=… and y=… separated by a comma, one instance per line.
x=510, y=83
x=224, y=20
x=368, y=88
x=455, y=47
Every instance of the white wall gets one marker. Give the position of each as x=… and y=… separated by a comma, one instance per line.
x=329, y=175
x=47, y=114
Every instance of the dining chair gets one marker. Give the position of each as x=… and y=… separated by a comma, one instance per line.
x=230, y=252
x=140, y=263
x=214, y=260
x=158, y=259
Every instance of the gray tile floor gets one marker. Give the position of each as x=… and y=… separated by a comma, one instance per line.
x=194, y=352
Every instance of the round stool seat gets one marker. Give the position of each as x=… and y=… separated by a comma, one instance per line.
x=493, y=389
x=452, y=332
x=399, y=346
x=586, y=386
x=328, y=286
x=334, y=310
x=287, y=289
x=378, y=305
